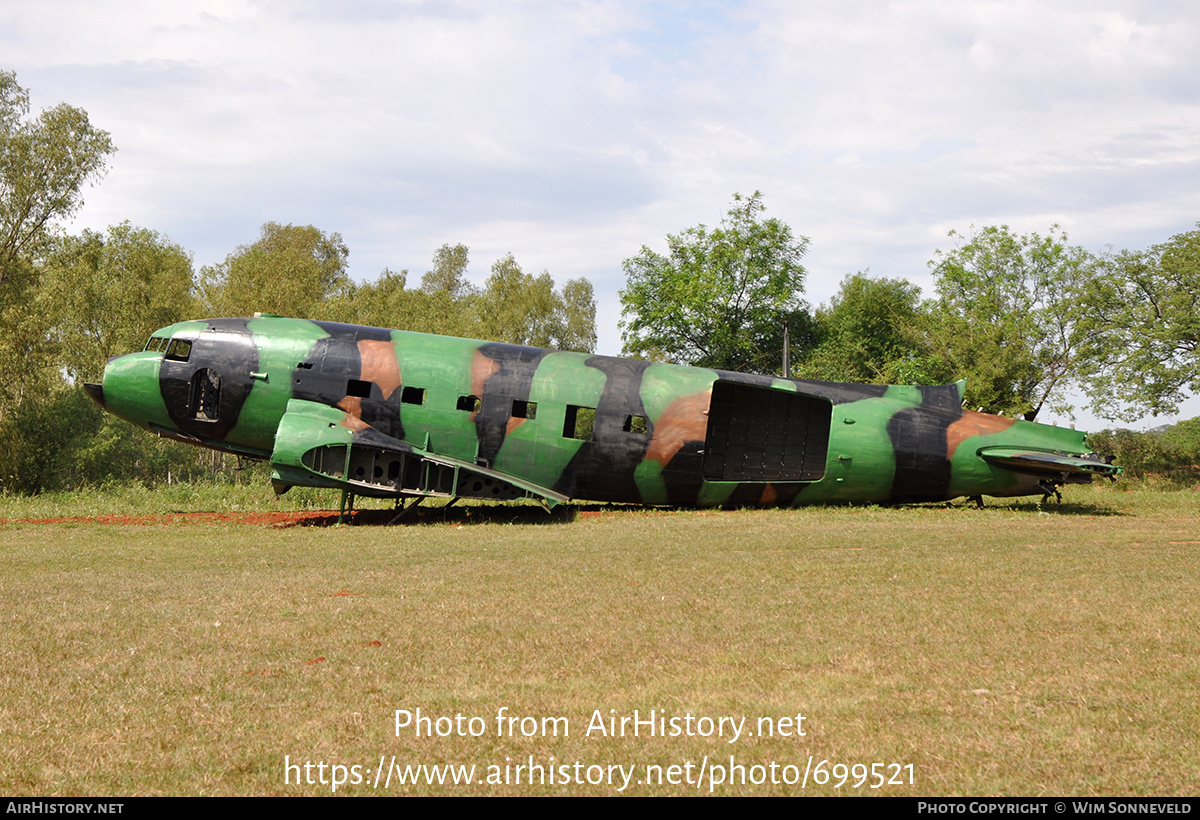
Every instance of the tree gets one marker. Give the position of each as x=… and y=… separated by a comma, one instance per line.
x=111, y=291
x=441, y=305
x=27, y=355
x=578, y=316
x=97, y=295
x=1142, y=317
x=1007, y=315
x=521, y=308
x=385, y=302
x=513, y=306
x=872, y=331
x=290, y=271
x=720, y=297
x=447, y=293
x=44, y=164
x=449, y=273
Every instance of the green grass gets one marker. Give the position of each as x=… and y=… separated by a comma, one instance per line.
x=136, y=499
x=1011, y=650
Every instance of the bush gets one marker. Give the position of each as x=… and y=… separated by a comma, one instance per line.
x=1170, y=456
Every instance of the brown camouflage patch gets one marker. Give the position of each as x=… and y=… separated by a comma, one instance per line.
x=974, y=424
x=353, y=407
x=684, y=420
x=482, y=368
x=379, y=364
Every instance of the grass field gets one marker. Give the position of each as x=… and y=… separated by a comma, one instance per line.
x=1012, y=650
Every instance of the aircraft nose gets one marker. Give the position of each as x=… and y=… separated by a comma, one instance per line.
x=96, y=391
x=130, y=388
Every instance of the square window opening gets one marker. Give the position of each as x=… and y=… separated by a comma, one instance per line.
x=579, y=422
x=524, y=409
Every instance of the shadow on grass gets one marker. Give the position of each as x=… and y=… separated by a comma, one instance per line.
x=1032, y=506
x=568, y=513
x=453, y=514
x=456, y=515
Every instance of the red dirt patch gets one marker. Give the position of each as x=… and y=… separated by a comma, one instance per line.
x=313, y=518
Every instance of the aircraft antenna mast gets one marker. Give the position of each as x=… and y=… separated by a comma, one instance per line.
x=787, y=353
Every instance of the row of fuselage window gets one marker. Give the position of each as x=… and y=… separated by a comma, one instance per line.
x=578, y=422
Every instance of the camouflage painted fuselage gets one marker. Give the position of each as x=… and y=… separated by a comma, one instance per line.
x=392, y=413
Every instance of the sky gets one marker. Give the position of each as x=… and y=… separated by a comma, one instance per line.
x=571, y=133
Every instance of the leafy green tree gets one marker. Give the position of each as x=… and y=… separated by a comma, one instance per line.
x=513, y=306
x=517, y=307
x=449, y=273
x=872, y=331
x=578, y=326
x=1007, y=315
x=112, y=291
x=27, y=354
x=1142, y=314
x=441, y=305
x=385, y=302
x=44, y=164
x=98, y=295
x=290, y=271
x=720, y=297
x=1184, y=437
x=521, y=308
x=448, y=296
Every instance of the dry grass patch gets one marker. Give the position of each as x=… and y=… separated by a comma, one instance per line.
x=1007, y=650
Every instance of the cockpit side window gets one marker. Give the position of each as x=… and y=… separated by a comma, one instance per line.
x=179, y=349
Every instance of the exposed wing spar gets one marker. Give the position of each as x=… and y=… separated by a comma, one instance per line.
x=319, y=444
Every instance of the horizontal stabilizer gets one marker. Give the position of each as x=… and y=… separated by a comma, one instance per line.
x=1053, y=464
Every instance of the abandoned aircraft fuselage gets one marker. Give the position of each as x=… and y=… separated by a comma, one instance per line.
x=392, y=413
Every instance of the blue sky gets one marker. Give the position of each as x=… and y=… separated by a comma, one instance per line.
x=572, y=133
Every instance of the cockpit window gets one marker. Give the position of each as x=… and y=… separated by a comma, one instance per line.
x=179, y=350
x=156, y=344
